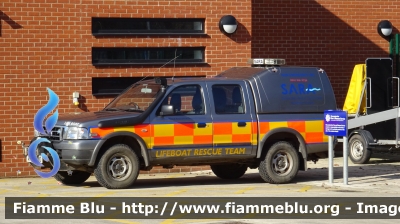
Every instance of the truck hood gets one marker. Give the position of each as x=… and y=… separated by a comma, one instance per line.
x=91, y=119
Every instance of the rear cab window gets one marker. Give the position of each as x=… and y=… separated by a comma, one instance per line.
x=228, y=99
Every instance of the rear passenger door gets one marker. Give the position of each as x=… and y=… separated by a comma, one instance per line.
x=234, y=127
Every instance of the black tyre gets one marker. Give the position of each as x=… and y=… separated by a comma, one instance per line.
x=229, y=171
x=280, y=165
x=76, y=177
x=358, y=150
x=118, y=167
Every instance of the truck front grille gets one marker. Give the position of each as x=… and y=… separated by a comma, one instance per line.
x=56, y=133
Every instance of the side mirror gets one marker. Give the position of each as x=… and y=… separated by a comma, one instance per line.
x=167, y=110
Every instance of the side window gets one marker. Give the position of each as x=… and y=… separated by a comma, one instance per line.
x=228, y=99
x=186, y=99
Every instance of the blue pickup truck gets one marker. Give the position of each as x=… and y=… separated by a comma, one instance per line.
x=266, y=116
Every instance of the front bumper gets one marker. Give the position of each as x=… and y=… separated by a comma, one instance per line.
x=76, y=152
x=71, y=152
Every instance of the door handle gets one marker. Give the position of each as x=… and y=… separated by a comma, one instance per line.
x=241, y=124
x=201, y=125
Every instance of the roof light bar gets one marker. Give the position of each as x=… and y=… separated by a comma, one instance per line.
x=266, y=61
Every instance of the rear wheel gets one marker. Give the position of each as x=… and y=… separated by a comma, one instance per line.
x=229, y=171
x=359, y=152
x=118, y=167
x=280, y=165
x=76, y=177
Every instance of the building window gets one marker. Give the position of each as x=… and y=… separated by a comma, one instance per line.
x=149, y=55
x=111, y=86
x=156, y=26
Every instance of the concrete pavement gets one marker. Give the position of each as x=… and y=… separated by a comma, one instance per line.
x=381, y=177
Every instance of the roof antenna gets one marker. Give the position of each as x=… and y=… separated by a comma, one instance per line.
x=161, y=67
x=174, y=65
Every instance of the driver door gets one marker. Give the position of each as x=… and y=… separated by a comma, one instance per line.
x=186, y=131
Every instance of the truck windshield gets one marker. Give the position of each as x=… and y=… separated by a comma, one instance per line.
x=137, y=98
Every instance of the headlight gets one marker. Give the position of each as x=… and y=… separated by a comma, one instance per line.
x=76, y=133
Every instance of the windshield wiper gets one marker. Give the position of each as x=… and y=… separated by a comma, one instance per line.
x=133, y=110
x=113, y=109
x=124, y=109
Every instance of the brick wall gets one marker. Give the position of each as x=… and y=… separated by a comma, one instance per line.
x=334, y=35
x=47, y=43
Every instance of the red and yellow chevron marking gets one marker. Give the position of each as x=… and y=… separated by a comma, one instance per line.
x=230, y=132
x=182, y=134
x=312, y=131
x=144, y=131
x=224, y=132
x=165, y=134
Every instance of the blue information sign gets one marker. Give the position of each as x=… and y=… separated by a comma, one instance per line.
x=335, y=123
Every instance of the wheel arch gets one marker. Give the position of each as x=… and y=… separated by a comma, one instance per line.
x=284, y=134
x=122, y=137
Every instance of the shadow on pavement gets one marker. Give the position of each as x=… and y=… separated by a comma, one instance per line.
x=374, y=172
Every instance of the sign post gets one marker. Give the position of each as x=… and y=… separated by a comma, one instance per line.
x=335, y=124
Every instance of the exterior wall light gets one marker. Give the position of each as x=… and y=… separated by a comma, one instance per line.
x=228, y=24
x=75, y=97
x=385, y=29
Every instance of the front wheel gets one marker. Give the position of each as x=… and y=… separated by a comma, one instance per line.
x=118, y=167
x=280, y=165
x=359, y=152
x=76, y=177
x=230, y=171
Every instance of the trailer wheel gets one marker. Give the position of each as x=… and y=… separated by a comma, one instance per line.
x=118, y=167
x=77, y=177
x=280, y=165
x=230, y=171
x=359, y=152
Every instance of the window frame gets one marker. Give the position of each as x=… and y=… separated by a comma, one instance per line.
x=125, y=50
x=167, y=96
x=148, y=30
